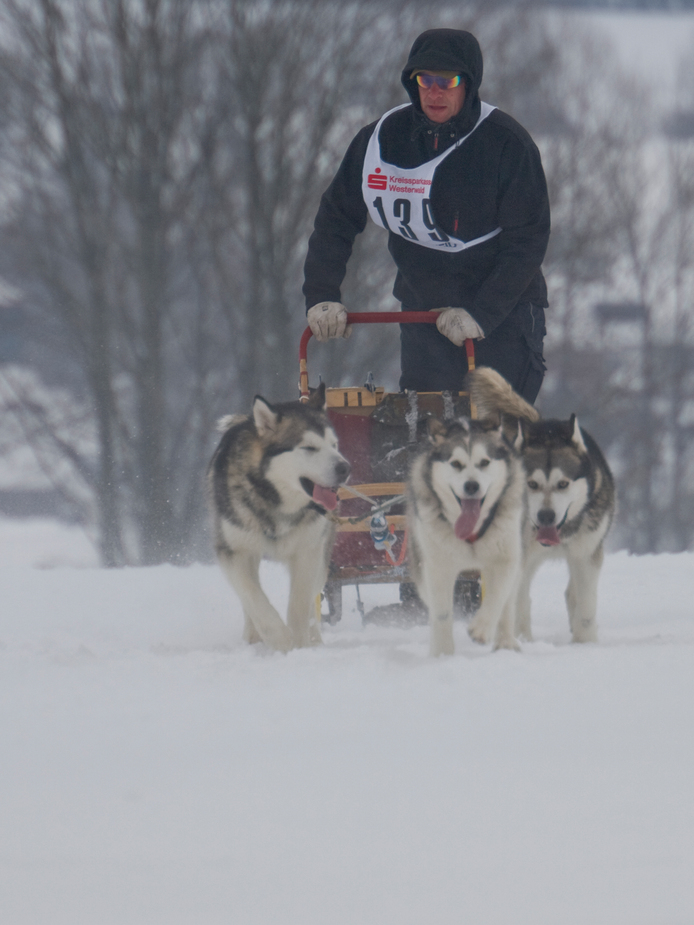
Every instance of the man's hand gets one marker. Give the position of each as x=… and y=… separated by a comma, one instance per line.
x=327, y=320
x=458, y=325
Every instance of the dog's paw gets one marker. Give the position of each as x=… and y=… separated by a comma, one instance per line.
x=308, y=637
x=251, y=636
x=314, y=636
x=523, y=629
x=506, y=642
x=281, y=639
x=479, y=632
x=585, y=635
x=441, y=641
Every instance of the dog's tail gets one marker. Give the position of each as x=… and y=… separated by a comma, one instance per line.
x=230, y=420
x=492, y=394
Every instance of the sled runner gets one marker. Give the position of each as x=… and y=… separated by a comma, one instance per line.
x=377, y=431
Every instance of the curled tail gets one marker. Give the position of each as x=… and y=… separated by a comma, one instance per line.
x=230, y=420
x=492, y=394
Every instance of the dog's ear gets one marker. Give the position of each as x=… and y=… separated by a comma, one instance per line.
x=524, y=431
x=264, y=416
x=436, y=431
x=576, y=435
x=492, y=421
x=461, y=423
x=519, y=438
x=511, y=428
x=317, y=398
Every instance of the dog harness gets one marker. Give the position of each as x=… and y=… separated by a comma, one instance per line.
x=398, y=198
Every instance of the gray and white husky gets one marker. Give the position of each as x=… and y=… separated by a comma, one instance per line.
x=272, y=480
x=464, y=511
x=570, y=500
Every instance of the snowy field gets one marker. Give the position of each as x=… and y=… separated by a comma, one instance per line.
x=155, y=770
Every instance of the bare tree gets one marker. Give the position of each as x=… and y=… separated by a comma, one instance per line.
x=107, y=142
x=299, y=79
x=622, y=218
x=680, y=361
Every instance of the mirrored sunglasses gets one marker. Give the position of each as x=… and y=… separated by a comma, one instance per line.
x=444, y=83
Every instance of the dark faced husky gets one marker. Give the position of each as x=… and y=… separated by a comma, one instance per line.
x=464, y=511
x=570, y=500
x=272, y=480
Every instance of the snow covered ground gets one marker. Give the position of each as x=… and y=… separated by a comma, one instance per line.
x=155, y=770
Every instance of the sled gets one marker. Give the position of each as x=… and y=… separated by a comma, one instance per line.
x=377, y=432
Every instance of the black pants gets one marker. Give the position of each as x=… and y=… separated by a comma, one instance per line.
x=431, y=363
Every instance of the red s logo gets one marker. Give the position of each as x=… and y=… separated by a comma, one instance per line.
x=377, y=180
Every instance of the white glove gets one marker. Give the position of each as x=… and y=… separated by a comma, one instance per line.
x=328, y=319
x=458, y=325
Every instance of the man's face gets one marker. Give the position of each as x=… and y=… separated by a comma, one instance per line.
x=441, y=105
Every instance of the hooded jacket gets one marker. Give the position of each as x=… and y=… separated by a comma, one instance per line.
x=494, y=179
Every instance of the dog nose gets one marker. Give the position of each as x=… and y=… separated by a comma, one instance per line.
x=471, y=487
x=545, y=517
x=342, y=470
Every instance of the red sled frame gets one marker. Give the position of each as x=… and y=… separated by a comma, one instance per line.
x=371, y=542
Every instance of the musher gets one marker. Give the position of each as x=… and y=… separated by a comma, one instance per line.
x=459, y=186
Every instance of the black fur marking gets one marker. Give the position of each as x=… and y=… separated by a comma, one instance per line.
x=442, y=454
x=307, y=486
x=217, y=470
x=264, y=488
x=501, y=452
x=549, y=433
x=272, y=451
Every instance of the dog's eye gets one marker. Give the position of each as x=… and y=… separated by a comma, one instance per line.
x=563, y=485
x=483, y=463
x=532, y=485
x=458, y=466
x=310, y=449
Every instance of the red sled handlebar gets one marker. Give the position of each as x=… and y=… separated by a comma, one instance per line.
x=373, y=318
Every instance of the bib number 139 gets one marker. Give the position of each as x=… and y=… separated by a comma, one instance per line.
x=402, y=216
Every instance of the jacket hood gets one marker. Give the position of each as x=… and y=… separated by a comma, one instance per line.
x=446, y=50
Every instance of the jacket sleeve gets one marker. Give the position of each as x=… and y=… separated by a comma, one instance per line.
x=524, y=217
x=341, y=216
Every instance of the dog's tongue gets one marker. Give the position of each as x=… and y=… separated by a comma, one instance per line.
x=548, y=536
x=325, y=496
x=469, y=515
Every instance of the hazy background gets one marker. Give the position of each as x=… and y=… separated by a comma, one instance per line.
x=161, y=163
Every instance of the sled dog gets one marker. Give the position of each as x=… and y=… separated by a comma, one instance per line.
x=464, y=511
x=272, y=480
x=570, y=500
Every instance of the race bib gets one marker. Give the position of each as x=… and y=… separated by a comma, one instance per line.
x=398, y=199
